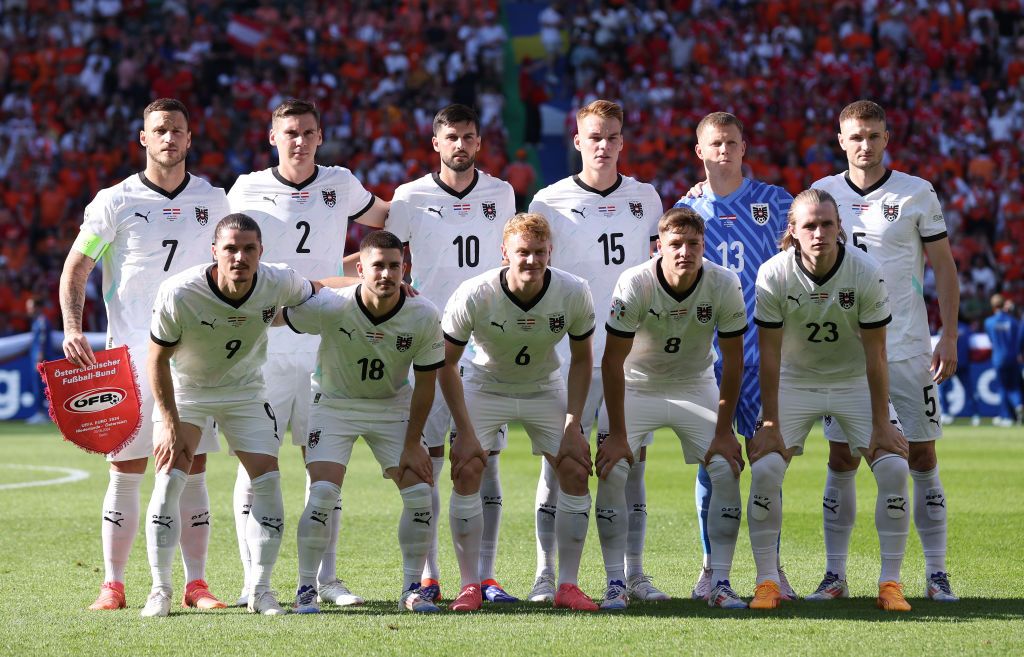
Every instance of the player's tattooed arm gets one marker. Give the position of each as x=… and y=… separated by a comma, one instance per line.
x=724, y=443
x=768, y=438
x=947, y=287
x=77, y=268
x=885, y=437
x=615, y=447
x=415, y=460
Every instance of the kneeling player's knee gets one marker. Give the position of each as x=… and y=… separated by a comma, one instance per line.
x=840, y=458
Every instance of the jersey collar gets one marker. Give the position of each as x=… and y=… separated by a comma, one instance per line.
x=234, y=303
x=864, y=192
x=584, y=186
x=831, y=272
x=680, y=296
x=448, y=190
x=284, y=181
x=377, y=321
x=160, y=190
x=524, y=306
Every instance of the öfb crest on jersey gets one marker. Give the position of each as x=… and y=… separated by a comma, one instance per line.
x=891, y=211
x=637, y=208
x=269, y=313
x=202, y=214
x=403, y=341
x=490, y=209
x=704, y=313
x=556, y=322
x=330, y=197
x=759, y=213
x=846, y=298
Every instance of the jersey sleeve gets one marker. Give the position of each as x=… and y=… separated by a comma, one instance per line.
x=780, y=213
x=732, y=321
x=931, y=224
x=221, y=207
x=430, y=355
x=457, y=321
x=581, y=325
x=98, y=228
x=235, y=196
x=164, y=326
x=767, y=312
x=874, y=311
x=295, y=288
x=307, y=317
x=627, y=307
x=659, y=207
x=399, y=221
x=359, y=199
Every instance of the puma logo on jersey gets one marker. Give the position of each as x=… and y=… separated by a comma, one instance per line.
x=931, y=419
x=501, y=326
x=656, y=315
x=348, y=333
x=272, y=199
x=795, y=299
x=210, y=324
x=144, y=216
x=579, y=212
x=436, y=211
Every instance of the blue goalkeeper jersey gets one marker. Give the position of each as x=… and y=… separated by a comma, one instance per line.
x=741, y=232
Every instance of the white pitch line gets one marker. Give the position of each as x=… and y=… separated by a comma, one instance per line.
x=71, y=475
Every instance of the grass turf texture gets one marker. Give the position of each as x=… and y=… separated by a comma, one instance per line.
x=51, y=567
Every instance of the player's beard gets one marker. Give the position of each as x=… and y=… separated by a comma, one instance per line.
x=458, y=167
x=169, y=160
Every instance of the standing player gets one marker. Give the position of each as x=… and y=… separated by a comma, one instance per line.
x=303, y=210
x=896, y=219
x=213, y=320
x=603, y=223
x=516, y=315
x=1004, y=332
x=452, y=221
x=144, y=229
x=743, y=219
x=821, y=315
x=371, y=335
x=657, y=371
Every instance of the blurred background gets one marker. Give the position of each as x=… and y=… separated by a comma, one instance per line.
x=76, y=74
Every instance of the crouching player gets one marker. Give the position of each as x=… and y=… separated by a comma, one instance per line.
x=370, y=334
x=516, y=315
x=658, y=364
x=821, y=314
x=213, y=320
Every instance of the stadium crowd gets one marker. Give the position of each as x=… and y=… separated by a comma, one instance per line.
x=74, y=73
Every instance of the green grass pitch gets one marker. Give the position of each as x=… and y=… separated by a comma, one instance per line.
x=51, y=568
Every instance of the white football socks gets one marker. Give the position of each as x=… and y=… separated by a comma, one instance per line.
x=571, y=524
x=723, y=518
x=313, y=534
x=264, y=530
x=839, y=508
x=891, y=518
x=195, y=526
x=612, y=521
x=466, y=517
x=431, y=569
x=546, y=505
x=636, y=503
x=764, y=513
x=120, y=523
x=415, y=527
x=490, y=496
x=163, y=526
x=930, y=518
x=241, y=505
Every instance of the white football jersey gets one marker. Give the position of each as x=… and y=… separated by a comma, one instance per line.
x=363, y=361
x=221, y=342
x=452, y=236
x=598, y=235
x=304, y=225
x=141, y=235
x=673, y=333
x=822, y=317
x=515, y=342
x=891, y=221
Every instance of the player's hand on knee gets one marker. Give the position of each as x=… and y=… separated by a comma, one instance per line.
x=612, y=450
x=726, y=446
x=170, y=449
x=766, y=440
x=77, y=350
x=887, y=438
x=575, y=447
x=415, y=459
x=464, y=451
